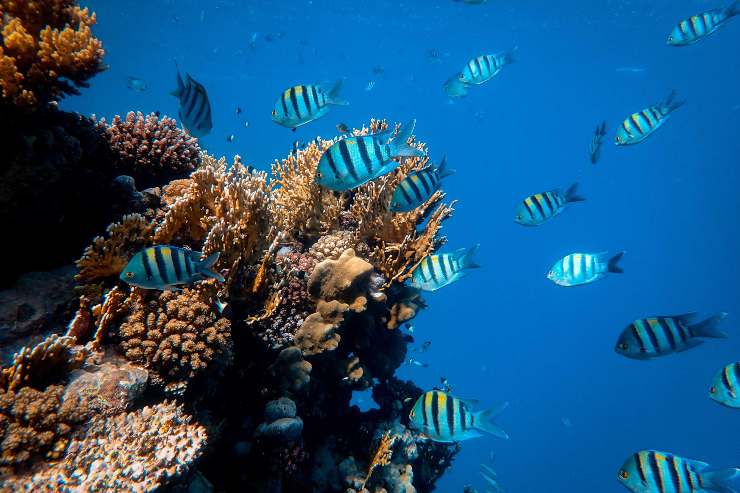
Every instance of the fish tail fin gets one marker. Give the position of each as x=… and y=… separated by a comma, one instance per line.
x=671, y=104
x=334, y=97
x=571, y=195
x=708, y=328
x=601, y=129
x=613, y=265
x=180, y=85
x=205, y=267
x=484, y=420
x=442, y=169
x=465, y=257
x=400, y=142
x=733, y=9
x=717, y=480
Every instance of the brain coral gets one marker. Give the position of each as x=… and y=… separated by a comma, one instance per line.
x=177, y=335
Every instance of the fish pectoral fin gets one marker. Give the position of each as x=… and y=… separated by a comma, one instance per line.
x=174, y=289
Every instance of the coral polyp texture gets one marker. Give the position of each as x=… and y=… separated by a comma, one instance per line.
x=261, y=366
x=48, y=51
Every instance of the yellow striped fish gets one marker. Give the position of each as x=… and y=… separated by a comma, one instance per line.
x=437, y=271
x=725, y=387
x=538, y=208
x=652, y=471
x=638, y=126
x=165, y=267
x=699, y=26
x=444, y=418
x=301, y=104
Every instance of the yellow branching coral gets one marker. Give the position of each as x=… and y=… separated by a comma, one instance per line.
x=48, y=50
x=108, y=256
x=382, y=456
x=38, y=366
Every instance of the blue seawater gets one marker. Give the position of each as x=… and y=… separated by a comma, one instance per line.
x=505, y=332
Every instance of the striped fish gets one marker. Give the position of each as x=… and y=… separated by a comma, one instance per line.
x=195, y=109
x=484, y=67
x=418, y=187
x=638, y=126
x=726, y=386
x=444, y=418
x=594, y=149
x=439, y=270
x=651, y=471
x=165, y=267
x=538, y=208
x=301, y=104
x=584, y=268
x=651, y=337
x=699, y=26
x=350, y=162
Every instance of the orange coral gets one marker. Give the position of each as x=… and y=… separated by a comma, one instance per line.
x=382, y=455
x=48, y=50
x=35, y=367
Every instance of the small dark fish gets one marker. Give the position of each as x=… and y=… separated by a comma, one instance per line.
x=434, y=53
x=446, y=387
x=378, y=70
x=594, y=149
x=157, y=113
x=136, y=84
x=423, y=347
x=342, y=128
x=238, y=110
x=297, y=145
x=230, y=138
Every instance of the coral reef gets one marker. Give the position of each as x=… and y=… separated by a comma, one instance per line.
x=150, y=149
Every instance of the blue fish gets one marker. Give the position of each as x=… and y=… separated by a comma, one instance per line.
x=726, y=386
x=301, y=104
x=136, y=84
x=699, y=26
x=444, y=418
x=195, y=108
x=584, y=268
x=438, y=270
x=165, y=267
x=538, y=208
x=651, y=337
x=594, y=149
x=418, y=187
x=454, y=87
x=352, y=161
x=485, y=67
x=638, y=126
x=651, y=471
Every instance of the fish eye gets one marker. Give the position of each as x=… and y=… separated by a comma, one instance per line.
x=129, y=275
x=623, y=346
x=274, y=112
x=713, y=390
x=318, y=174
x=623, y=474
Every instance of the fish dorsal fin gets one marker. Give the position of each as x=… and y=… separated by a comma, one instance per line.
x=697, y=465
x=469, y=403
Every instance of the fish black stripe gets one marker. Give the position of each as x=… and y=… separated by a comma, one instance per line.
x=147, y=267
x=691, y=25
x=378, y=151
x=285, y=106
x=435, y=410
x=294, y=102
x=548, y=202
x=414, y=188
x=306, y=101
x=651, y=334
x=726, y=380
x=688, y=476
x=176, y=259
x=668, y=332
x=424, y=412
x=736, y=369
x=682, y=330
x=332, y=164
x=529, y=210
x=675, y=474
x=161, y=266
x=488, y=65
x=655, y=468
x=315, y=96
x=188, y=263
x=636, y=333
x=461, y=412
x=423, y=178
x=447, y=259
x=539, y=206
x=430, y=266
x=626, y=128
x=640, y=467
x=480, y=69
x=190, y=96
x=347, y=158
x=451, y=415
x=402, y=187
x=365, y=155
x=645, y=116
x=200, y=112
x=444, y=267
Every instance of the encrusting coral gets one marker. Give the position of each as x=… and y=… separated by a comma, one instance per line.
x=47, y=51
x=150, y=149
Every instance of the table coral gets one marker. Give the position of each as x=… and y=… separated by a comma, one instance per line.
x=150, y=149
x=48, y=51
x=177, y=335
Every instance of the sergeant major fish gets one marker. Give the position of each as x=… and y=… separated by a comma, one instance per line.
x=301, y=104
x=418, y=187
x=350, y=162
x=651, y=337
x=195, y=108
x=538, y=208
x=438, y=270
x=699, y=26
x=638, y=126
x=583, y=268
x=594, y=149
x=725, y=387
x=651, y=471
x=166, y=267
x=484, y=67
x=444, y=418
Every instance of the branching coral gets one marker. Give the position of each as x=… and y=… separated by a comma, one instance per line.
x=38, y=366
x=108, y=256
x=149, y=149
x=131, y=453
x=178, y=335
x=47, y=51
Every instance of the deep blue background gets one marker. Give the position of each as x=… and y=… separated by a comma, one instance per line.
x=505, y=332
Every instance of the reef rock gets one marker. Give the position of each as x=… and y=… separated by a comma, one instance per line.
x=281, y=422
